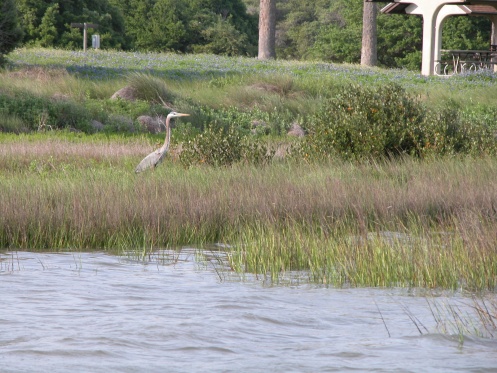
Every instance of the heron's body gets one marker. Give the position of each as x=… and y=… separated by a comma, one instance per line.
x=156, y=157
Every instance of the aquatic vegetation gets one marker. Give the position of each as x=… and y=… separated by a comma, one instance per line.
x=480, y=321
x=416, y=257
x=392, y=223
x=338, y=218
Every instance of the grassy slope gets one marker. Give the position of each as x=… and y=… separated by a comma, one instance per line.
x=202, y=76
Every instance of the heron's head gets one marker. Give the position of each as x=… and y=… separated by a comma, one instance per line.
x=174, y=114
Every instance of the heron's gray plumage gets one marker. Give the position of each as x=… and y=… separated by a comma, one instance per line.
x=156, y=157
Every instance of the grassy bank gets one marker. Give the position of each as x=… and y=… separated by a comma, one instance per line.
x=393, y=184
x=428, y=223
x=232, y=91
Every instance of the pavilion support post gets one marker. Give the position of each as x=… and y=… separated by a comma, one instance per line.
x=429, y=10
x=493, y=40
x=446, y=11
x=429, y=37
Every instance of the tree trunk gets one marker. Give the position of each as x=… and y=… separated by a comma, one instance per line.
x=267, y=29
x=369, y=56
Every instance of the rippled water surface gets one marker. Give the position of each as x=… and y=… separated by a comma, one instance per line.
x=93, y=312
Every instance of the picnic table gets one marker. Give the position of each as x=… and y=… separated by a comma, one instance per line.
x=461, y=61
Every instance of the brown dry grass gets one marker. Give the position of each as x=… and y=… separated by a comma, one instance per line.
x=437, y=191
x=38, y=73
x=76, y=193
x=73, y=150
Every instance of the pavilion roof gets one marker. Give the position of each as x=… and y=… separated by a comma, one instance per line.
x=395, y=8
x=481, y=9
x=400, y=8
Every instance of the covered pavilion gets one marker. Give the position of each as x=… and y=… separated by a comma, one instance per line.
x=434, y=12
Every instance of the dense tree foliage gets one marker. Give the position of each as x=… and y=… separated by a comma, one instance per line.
x=329, y=30
x=10, y=31
x=213, y=26
x=210, y=26
x=466, y=33
x=48, y=23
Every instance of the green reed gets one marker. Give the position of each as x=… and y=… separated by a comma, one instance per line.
x=345, y=256
x=406, y=222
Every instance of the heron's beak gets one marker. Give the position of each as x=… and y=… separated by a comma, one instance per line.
x=182, y=115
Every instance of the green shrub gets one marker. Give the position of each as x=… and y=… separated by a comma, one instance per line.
x=220, y=146
x=12, y=123
x=101, y=109
x=37, y=112
x=366, y=122
x=452, y=131
x=255, y=121
x=371, y=122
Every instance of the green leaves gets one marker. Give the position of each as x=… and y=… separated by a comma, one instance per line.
x=218, y=27
x=48, y=30
x=10, y=31
x=385, y=121
x=217, y=146
x=364, y=122
x=36, y=113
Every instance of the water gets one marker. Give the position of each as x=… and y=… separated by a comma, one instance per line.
x=93, y=312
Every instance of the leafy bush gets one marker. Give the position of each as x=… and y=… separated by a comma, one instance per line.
x=29, y=112
x=218, y=146
x=255, y=121
x=366, y=122
x=101, y=109
x=11, y=123
x=370, y=122
x=39, y=112
x=450, y=130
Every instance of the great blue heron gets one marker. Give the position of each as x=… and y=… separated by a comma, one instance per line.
x=156, y=157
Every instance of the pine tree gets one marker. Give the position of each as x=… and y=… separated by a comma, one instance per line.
x=10, y=31
x=48, y=28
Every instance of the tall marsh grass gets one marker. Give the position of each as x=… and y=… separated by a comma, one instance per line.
x=386, y=223
x=428, y=221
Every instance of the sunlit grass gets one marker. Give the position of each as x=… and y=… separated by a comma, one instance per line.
x=201, y=76
x=405, y=223
x=235, y=90
x=413, y=255
x=57, y=83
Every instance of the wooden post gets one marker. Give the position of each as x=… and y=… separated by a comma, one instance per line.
x=84, y=26
x=85, y=38
x=493, y=42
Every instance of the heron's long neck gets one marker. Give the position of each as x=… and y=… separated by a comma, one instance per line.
x=165, y=147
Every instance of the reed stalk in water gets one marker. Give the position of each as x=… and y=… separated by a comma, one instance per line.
x=407, y=222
